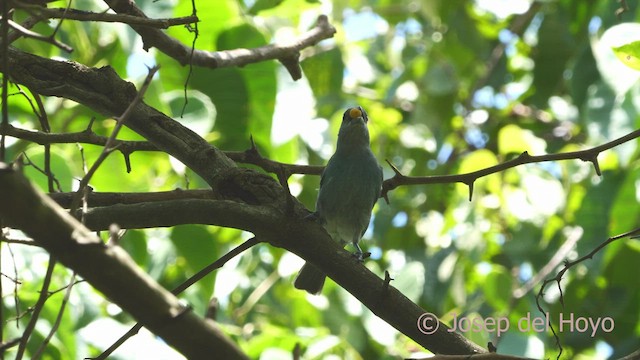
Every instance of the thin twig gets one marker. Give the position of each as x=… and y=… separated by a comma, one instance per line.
x=8, y=345
x=34, y=35
x=4, y=29
x=193, y=49
x=28, y=23
x=108, y=147
x=19, y=241
x=36, y=309
x=519, y=24
x=572, y=239
x=182, y=287
x=568, y=265
x=64, y=14
x=58, y=320
x=42, y=171
x=16, y=281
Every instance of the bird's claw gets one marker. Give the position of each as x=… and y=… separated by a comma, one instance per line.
x=360, y=256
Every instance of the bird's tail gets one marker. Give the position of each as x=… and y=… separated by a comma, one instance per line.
x=310, y=279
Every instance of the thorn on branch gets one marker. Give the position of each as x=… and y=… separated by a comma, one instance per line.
x=385, y=196
x=127, y=160
x=470, y=190
x=212, y=309
x=253, y=150
x=391, y=184
x=283, y=177
x=596, y=165
x=394, y=168
x=292, y=64
x=387, y=280
x=89, y=128
x=297, y=351
x=115, y=232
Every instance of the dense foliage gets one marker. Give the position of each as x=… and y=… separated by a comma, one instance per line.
x=450, y=87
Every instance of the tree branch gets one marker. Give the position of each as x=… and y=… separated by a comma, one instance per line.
x=590, y=155
x=81, y=15
x=247, y=199
x=127, y=147
x=182, y=287
x=568, y=265
x=34, y=35
x=108, y=146
x=77, y=82
x=304, y=238
x=26, y=208
x=229, y=58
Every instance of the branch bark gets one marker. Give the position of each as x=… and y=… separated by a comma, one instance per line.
x=245, y=199
x=109, y=269
x=286, y=53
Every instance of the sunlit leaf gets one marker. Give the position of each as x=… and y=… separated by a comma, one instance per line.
x=629, y=54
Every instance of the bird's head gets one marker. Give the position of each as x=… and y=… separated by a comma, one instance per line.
x=353, y=130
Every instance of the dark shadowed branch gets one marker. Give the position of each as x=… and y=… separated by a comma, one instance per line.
x=26, y=208
x=182, y=287
x=246, y=199
x=82, y=15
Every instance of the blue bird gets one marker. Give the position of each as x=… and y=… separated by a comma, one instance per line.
x=349, y=188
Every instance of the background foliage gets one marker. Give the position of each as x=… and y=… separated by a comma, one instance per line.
x=442, y=100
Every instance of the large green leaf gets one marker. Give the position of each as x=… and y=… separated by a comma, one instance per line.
x=555, y=47
x=325, y=73
x=198, y=247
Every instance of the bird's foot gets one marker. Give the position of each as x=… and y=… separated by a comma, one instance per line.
x=360, y=256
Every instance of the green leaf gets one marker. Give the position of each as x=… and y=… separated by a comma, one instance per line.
x=629, y=54
x=497, y=288
x=410, y=281
x=228, y=91
x=325, y=73
x=513, y=139
x=199, y=114
x=260, y=80
x=198, y=247
x=260, y=5
x=555, y=47
x=134, y=242
x=59, y=168
x=214, y=16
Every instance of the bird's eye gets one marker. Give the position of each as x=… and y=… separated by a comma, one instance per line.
x=355, y=113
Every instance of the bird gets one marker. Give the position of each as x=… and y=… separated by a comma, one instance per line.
x=350, y=186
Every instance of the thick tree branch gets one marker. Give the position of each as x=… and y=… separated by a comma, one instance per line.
x=304, y=238
x=109, y=269
x=229, y=58
x=182, y=287
x=105, y=92
x=247, y=199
